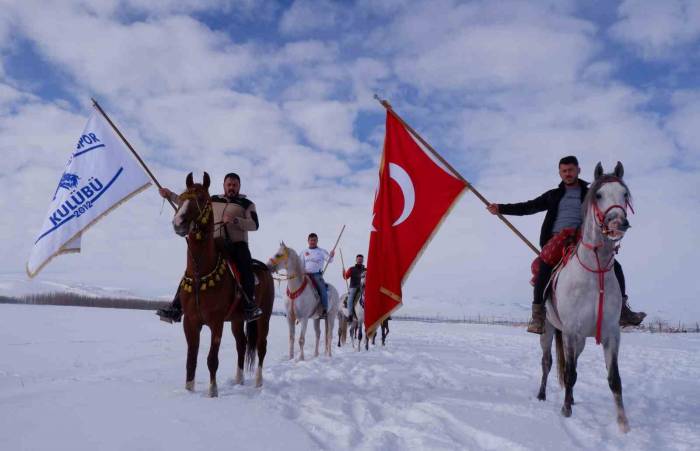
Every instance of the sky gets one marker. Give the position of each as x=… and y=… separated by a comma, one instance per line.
x=282, y=93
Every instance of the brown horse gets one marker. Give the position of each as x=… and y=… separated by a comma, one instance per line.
x=210, y=295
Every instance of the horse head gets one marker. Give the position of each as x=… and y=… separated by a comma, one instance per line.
x=194, y=213
x=280, y=258
x=608, y=199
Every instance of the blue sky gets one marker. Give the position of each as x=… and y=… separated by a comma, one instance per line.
x=282, y=94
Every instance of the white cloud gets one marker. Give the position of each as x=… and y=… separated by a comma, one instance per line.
x=172, y=54
x=305, y=16
x=327, y=125
x=656, y=30
x=683, y=124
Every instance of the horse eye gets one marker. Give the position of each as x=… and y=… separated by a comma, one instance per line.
x=598, y=196
x=627, y=195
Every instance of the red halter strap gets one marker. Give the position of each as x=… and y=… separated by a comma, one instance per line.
x=600, y=270
x=296, y=293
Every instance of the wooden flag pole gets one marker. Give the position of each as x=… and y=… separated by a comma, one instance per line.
x=342, y=262
x=138, y=157
x=334, y=246
x=388, y=107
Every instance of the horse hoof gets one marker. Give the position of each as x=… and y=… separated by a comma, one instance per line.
x=566, y=411
x=238, y=380
x=624, y=425
x=213, y=391
x=542, y=396
x=189, y=385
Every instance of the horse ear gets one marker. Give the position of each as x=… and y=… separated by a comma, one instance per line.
x=282, y=244
x=206, y=181
x=188, y=181
x=619, y=170
x=598, y=171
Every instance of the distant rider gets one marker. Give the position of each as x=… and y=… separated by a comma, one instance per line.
x=354, y=273
x=313, y=259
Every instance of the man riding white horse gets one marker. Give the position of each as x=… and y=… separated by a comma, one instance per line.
x=354, y=273
x=563, y=218
x=234, y=217
x=313, y=259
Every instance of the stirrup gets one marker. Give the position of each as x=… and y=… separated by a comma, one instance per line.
x=169, y=315
x=253, y=314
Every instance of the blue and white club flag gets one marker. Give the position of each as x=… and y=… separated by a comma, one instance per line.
x=101, y=173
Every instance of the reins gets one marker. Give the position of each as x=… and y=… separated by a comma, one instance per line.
x=601, y=270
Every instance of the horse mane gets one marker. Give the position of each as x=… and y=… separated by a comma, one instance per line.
x=595, y=187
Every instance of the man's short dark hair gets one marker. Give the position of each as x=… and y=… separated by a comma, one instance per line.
x=232, y=175
x=569, y=160
x=312, y=235
x=359, y=255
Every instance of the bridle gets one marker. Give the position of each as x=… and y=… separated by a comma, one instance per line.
x=599, y=216
x=197, y=225
x=198, y=283
x=601, y=270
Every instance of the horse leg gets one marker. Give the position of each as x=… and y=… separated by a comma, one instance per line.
x=359, y=336
x=328, y=337
x=317, y=332
x=213, y=358
x=573, y=346
x=302, y=337
x=610, y=347
x=546, y=344
x=292, y=328
x=192, y=330
x=263, y=330
x=239, y=335
x=385, y=325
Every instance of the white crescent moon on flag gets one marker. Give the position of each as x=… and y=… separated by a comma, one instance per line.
x=401, y=177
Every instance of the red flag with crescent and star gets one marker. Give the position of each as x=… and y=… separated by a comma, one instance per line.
x=416, y=192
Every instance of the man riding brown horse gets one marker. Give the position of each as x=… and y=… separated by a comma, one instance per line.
x=563, y=206
x=234, y=217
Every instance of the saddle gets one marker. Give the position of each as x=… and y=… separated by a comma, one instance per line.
x=256, y=265
x=317, y=289
x=556, y=253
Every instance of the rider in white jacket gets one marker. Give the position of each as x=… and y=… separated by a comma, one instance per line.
x=313, y=258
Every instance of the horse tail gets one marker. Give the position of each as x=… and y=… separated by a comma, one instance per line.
x=560, y=357
x=251, y=349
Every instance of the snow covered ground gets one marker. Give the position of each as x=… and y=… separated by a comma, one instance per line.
x=86, y=379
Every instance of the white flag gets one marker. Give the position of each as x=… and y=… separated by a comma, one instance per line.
x=100, y=174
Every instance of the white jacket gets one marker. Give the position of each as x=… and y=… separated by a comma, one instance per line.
x=313, y=259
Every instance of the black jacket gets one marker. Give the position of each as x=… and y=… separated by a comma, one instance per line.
x=548, y=201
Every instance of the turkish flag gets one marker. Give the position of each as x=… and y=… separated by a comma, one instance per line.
x=416, y=191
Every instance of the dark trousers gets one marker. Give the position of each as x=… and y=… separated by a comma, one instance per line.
x=240, y=253
x=546, y=272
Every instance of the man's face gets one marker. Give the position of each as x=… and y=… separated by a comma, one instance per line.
x=569, y=173
x=231, y=187
x=313, y=242
x=359, y=259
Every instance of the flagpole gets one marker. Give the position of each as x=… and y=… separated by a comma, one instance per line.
x=334, y=246
x=342, y=262
x=389, y=109
x=138, y=157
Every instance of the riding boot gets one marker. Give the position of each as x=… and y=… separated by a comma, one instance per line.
x=173, y=312
x=628, y=317
x=536, y=323
x=251, y=310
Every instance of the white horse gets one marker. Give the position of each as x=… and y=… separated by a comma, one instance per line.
x=303, y=303
x=358, y=320
x=343, y=321
x=586, y=296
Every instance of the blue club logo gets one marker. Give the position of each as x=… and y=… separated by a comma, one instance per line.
x=68, y=181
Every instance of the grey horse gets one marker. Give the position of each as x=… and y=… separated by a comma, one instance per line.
x=585, y=299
